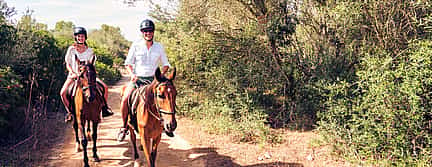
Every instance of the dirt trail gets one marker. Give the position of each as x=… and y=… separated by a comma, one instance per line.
x=113, y=153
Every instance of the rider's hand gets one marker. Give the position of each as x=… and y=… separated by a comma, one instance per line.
x=134, y=78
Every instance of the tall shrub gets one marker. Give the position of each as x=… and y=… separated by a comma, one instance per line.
x=384, y=117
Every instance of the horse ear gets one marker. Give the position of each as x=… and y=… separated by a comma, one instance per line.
x=158, y=75
x=173, y=74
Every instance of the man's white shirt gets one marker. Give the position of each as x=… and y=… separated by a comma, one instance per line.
x=145, y=61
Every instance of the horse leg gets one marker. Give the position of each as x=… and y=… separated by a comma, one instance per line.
x=153, y=153
x=89, y=138
x=133, y=139
x=77, y=141
x=94, y=136
x=145, y=141
x=84, y=144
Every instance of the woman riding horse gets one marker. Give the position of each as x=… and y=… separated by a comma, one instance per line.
x=79, y=51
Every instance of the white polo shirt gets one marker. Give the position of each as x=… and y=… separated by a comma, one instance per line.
x=145, y=60
x=85, y=56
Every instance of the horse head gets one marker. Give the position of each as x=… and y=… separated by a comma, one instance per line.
x=87, y=78
x=165, y=98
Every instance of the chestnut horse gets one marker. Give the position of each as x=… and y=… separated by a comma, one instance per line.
x=86, y=108
x=154, y=114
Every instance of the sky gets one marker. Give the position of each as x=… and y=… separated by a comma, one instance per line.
x=90, y=14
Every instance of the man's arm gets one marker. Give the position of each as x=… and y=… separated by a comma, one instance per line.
x=129, y=69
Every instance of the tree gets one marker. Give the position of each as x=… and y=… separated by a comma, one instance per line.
x=5, y=11
x=63, y=29
x=110, y=37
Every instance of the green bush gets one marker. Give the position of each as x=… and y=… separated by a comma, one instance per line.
x=385, y=117
x=105, y=64
x=107, y=73
x=11, y=93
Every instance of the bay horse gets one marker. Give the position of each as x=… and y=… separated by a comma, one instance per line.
x=154, y=114
x=86, y=108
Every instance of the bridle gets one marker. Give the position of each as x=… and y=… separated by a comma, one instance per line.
x=158, y=108
x=91, y=83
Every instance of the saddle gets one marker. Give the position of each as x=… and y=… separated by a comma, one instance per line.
x=132, y=104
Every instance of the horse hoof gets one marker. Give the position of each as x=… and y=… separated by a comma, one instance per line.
x=136, y=164
x=78, y=148
x=170, y=134
x=96, y=159
x=89, y=138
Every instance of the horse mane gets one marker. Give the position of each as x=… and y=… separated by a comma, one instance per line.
x=149, y=96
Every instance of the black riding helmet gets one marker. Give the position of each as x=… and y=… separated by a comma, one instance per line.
x=80, y=30
x=147, y=25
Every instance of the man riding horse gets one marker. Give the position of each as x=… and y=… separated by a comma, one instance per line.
x=141, y=63
x=81, y=51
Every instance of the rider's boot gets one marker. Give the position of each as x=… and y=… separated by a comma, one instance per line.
x=68, y=115
x=106, y=111
x=170, y=134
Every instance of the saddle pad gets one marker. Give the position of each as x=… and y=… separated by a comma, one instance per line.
x=133, y=100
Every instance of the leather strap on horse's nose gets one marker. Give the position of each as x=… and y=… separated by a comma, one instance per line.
x=166, y=112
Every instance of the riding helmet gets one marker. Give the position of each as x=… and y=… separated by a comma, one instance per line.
x=147, y=25
x=80, y=30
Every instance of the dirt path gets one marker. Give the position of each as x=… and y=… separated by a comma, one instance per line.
x=113, y=153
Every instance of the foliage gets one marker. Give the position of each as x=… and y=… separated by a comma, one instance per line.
x=7, y=41
x=6, y=11
x=376, y=113
x=107, y=73
x=223, y=69
x=63, y=29
x=280, y=58
x=111, y=39
x=384, y=117
x=11, y=91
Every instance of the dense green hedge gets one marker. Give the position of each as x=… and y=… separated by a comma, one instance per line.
x=384, y=117
x=11, y=93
